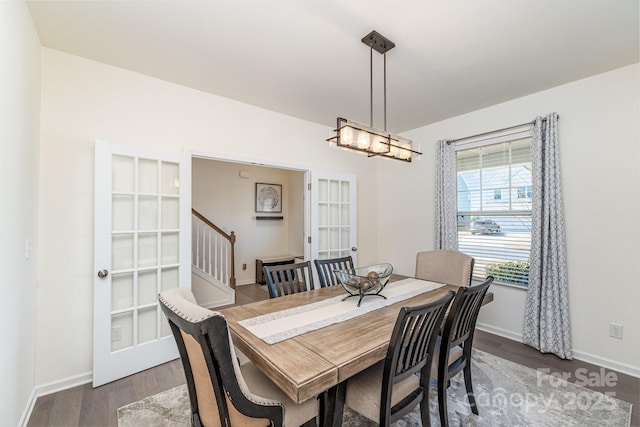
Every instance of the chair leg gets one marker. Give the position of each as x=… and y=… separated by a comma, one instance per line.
x=424, y=409
x=469, y=387
x=442, y=403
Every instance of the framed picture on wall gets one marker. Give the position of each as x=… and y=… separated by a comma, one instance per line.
x=268, y=197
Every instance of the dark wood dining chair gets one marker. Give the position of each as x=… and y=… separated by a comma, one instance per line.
x=326, y=267
x=390, y=389
x=221, y=391
x=444, y=266
x=454, y=345
x=288, y=278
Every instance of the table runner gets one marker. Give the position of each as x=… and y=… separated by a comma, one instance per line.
x=281, y=325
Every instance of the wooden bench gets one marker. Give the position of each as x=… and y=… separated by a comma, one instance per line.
x=270, y=261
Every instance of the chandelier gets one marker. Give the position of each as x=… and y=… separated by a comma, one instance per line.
x=366, y=138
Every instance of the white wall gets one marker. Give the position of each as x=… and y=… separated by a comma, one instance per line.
x=19, y=140
x=84, y=100
x=228, y=200
x=600, y=157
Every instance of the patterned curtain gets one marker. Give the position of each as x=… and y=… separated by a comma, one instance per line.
x=446, y=236
x=546, y=322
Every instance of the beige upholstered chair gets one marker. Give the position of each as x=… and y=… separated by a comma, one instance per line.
x=390, y=389
x=221, y=391
x=443, y=266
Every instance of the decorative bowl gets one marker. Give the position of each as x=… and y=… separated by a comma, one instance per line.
x=363, y=281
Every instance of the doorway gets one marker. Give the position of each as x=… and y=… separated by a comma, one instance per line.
x=224, y=191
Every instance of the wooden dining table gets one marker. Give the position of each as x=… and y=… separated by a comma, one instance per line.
x=318, y=363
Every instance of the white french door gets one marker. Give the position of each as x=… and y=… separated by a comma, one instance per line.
x=333, y=218
x=142, y=232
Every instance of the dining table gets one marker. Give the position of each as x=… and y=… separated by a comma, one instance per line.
x=317, y=363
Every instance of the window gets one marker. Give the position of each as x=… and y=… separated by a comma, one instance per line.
x=524, y=192
x=494, y=208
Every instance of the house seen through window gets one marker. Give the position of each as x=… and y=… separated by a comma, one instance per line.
x=494, y=209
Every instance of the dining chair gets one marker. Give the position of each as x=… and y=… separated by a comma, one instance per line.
x=326, y=268
x=221, y=391
x=453, y=347
x=288, y=278
x=444, y=266
x=390, y=389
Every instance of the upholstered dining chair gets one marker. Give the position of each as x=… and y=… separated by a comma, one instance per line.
x=444, y=266
x=390, y=389
x=221, y=392
x=453, y=347
x=288, y=278
x=326, y=267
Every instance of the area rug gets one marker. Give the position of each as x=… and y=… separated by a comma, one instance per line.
x=507, y=394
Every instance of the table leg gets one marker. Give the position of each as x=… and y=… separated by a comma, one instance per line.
x=333, y=405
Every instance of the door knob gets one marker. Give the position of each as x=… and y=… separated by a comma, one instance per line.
x=103, y=273
x=354, y=249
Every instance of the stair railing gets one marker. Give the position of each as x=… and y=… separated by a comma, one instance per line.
x=213, y=249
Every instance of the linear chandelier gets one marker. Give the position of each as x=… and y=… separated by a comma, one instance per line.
x=375, y=142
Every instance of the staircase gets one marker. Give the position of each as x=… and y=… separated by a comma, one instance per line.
x=212, y=262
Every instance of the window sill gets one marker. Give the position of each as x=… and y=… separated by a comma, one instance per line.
x=505, y=284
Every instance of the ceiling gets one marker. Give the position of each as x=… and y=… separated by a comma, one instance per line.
x=304, y=58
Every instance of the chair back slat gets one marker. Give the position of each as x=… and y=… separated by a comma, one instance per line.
x=463, y=314
x=288, y=279
x=411, y=350
x=326, y=269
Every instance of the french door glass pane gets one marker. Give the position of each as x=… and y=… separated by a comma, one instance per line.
x=147, y=250
x=170, y=248
x=323, y=215
x=148, y=176
x=121, y=291
x=345, y=192
x=123, y=174
x=122, y=247
x=345, y=216
x=121, y=331
x=334, y=191
x=323, y=190
x=170, y=213
x=334, y=239
x=147, y=321
x=147, y=213
x=170, y=178
x=147, y=287
x=334, y=214
x=123, y=208
x=169, y=278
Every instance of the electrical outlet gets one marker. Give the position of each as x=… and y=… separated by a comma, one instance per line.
x=116, y=333
x=615, y=330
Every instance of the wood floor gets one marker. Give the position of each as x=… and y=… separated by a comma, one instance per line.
x=87, y=407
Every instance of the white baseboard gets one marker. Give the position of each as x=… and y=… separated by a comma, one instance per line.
x=24, y=420
x=623, y=368
x=513, y=336
x=245, y=282
x=52, y=387
x=64, y=384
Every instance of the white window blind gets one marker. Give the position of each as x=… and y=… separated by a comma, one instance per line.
x=494, y=207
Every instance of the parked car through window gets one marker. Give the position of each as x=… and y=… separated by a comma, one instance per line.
x=485, y=226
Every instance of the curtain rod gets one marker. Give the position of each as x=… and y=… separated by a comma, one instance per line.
x=451, y=141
